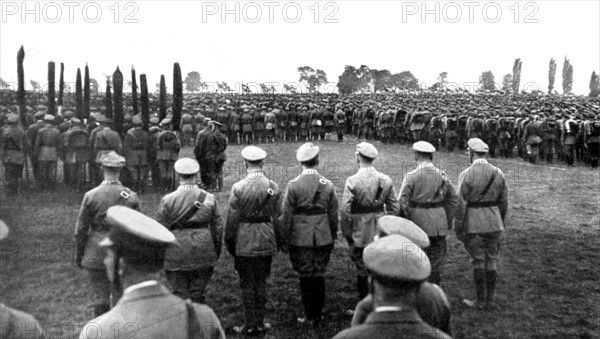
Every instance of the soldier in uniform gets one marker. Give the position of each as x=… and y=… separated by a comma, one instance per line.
x=187, y=129
x=432, y=303
x=153, y=133
x=316, y=123
x=16, y=324
x=428, y=199
x=310, y=221
x=32, y=131
x=234, y=127
x=292, y=130
x=258, y=127
x=246, y=121
x=480, y=219
x=397, y=269
x=45, y=150
x=92, y=227
x=204, y=147
x=532, y=138
x=76, y=153
x=14, y=147
x=340, y=123
x=282, y=124
x=167, y=152
x=106, y=140
x=253, y=236
x=368, y=195
x=192, y=214
x=271, y=124
x=220, y=144
x=591, y=138
x=550, y=133
x=93, y=128
x=304, y=119
x=137, y=247
x=504, y=132
x=137, y=144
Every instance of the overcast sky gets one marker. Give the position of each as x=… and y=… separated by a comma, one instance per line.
x=467, y=39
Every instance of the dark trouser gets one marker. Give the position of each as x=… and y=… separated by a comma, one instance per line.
x=253, y=273
x=436, y=252
x=13, y=173
x=47, y=173
x=570, y=154
x=311, y=264
x=190, y=284
x=362, y=275
x=218, y=176
x=484, y=249
x=100, y=289
x=95, y=173
x=594, y=149
x=139, y=175
x=207, y=170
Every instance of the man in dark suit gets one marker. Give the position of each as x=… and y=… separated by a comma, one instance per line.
x=136, y=247
x=397, y=269
x=310, y=222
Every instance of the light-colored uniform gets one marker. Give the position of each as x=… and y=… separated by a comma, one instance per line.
x=428, y=199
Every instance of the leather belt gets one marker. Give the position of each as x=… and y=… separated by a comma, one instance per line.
x=306, y=210
x=482, y=204
x=413, y=204
x=256, y=219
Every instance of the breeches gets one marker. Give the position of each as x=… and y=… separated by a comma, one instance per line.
x=310, y=261
x=484, y=249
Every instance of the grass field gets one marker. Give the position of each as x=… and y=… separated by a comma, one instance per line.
x=549, y=271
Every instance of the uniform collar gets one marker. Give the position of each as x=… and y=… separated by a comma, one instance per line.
x=187, y=186
x=480, y=161
x=111, y=182
x=254, y=173
x=308, y=171
x=366, y=169
x=424, y=164
x=140, y=285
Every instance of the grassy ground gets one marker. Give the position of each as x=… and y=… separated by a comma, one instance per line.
x=548, y=285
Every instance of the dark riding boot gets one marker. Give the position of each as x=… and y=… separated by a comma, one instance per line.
x=479, y=277
x=491, y=276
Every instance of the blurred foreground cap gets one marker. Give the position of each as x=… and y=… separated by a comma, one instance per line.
x=396, y=258
x=307, y=152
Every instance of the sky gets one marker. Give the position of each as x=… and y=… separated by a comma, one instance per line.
x=266, y=41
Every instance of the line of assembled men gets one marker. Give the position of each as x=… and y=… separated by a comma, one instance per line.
x=565, y=134
x=303, y=221
x=81, y=147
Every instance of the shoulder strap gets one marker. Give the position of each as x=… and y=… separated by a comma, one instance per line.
x=441, y=188
x=191, y=210
x=270, y=193
x=379, y=190
x=322, y=184
x=194, y=329
x=487, y=187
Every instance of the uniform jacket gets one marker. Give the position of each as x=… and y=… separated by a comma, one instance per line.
x=137, y=142
x=420, y=186
x=34, y=129
x=167, y=146
x=361, y=189
x=197, y=248
x=14, y=144
x=471, y=183
x=91, y=221
x=202, y=148
x=15, y=324
x=251, y=197
x=75, y=145
x=106, y=140
x=47, y=144
x=393, y=325
x=310, y=230
x=152, y=312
